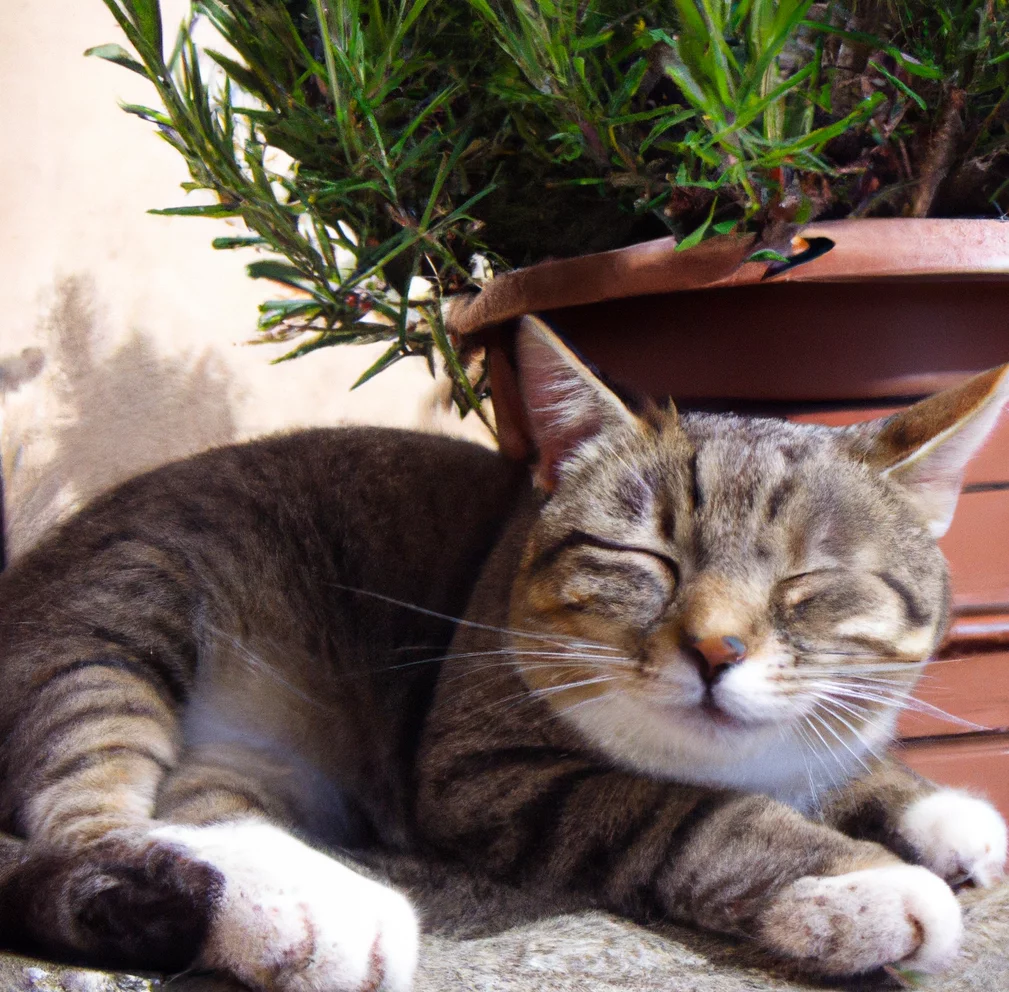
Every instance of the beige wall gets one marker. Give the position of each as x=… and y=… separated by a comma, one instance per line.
x=142, y=324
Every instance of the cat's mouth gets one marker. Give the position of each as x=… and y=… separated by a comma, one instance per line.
x=716, y=714
x=706, y=713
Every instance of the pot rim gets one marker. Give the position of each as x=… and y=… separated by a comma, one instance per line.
x=861, y=250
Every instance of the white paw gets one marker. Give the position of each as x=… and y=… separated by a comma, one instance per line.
x=847, y=924
x=291, y=919
x=957, y=836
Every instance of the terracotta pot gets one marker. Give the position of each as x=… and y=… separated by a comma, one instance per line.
x=894, y=308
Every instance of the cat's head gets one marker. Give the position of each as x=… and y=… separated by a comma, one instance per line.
x=735, y=601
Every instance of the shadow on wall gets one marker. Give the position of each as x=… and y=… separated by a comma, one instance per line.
x=95, y=415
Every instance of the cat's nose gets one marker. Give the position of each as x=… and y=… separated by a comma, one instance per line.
x=715, y=655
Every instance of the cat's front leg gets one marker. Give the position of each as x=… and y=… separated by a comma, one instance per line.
x=956, y=835
x=808, y=894
x=739, y=864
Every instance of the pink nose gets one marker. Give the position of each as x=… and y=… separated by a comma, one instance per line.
x=716, y=654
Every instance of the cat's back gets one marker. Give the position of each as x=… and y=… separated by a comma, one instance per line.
x=331, y=537
x=364, y=488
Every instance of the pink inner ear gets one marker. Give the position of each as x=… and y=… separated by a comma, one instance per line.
x=946, y=428
x=561, y=414
x=562, y=405
x=926, y=448
x=554, y=449
x=565, y=403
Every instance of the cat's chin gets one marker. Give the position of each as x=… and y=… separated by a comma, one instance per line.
x=688, y=742
x=713, y=745
x=681, y=741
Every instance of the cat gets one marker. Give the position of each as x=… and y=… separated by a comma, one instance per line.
x=686, y=643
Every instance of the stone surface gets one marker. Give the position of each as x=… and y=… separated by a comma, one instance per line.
x=586, y=951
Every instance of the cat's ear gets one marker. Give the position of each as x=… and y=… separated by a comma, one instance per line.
x=925, y=448
x=565, y=403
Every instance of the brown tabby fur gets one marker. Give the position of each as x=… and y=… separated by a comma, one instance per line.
x=525, y=796
x=221, y=584
x=255, y=632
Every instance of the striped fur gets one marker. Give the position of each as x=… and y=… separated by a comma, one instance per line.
x=236, y=655
x=197, y=646
x=605, y=758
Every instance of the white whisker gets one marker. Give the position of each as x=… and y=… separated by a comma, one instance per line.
x=549, y=690
x=859, y=677
x=841, y=740
x=258, y=664
x=809, y=723
x=806, y=745
x=857, y=734
x=573, y=706
x=853, y=708
x=917, y=705
x=557, y=640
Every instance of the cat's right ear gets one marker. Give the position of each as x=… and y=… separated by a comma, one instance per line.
x=925, y=449
x=565, y=403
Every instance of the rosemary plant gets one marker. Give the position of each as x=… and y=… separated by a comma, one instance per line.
x=383, y=154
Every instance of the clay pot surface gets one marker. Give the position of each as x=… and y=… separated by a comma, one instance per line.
x=895, y=308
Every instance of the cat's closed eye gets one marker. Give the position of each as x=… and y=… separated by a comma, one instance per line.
x=839, y=605
x=630, y=584
x=798, y=591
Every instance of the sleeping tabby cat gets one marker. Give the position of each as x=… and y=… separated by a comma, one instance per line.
x=672, y=691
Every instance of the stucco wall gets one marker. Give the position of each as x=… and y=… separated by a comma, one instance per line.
x=140, y=322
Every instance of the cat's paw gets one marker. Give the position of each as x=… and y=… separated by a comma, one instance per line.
x=956, y=836
x=863, y=920
x=290, y=919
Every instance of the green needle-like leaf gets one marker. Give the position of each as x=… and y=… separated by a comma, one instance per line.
x=117, y=54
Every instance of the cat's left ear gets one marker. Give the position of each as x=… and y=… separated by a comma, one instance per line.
x=566, y=404
x=925, y=448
